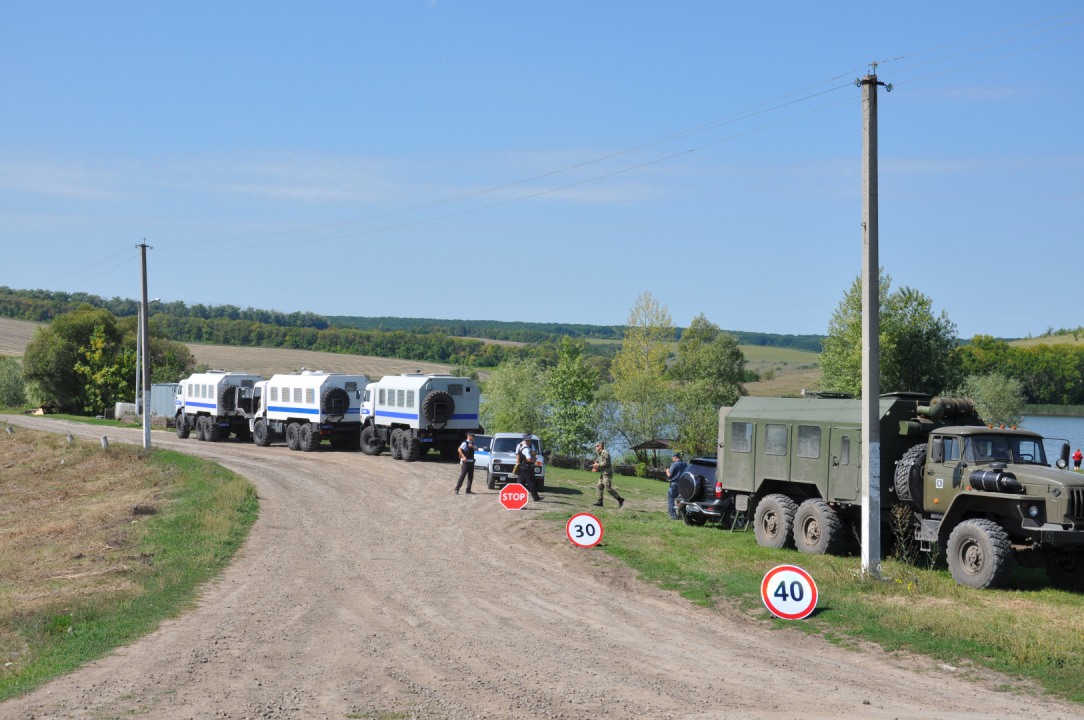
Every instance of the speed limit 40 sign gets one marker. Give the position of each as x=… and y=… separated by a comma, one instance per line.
x=789, y=592
x=584, y=530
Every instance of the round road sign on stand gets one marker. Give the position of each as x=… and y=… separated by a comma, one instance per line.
x=584, y=530
x=514, y=496
x=789, y=592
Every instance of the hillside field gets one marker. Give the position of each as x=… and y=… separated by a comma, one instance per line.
x=1054, y=340
x=15, y=335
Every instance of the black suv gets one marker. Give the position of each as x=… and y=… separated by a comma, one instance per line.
x=701, y=497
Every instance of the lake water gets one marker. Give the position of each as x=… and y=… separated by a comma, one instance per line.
x=1071, y=428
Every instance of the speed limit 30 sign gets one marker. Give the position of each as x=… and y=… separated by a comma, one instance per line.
x=789, y=592
x=584, y=530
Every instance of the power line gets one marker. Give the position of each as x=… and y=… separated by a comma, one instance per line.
x=88, y=267
x=101, y=273
x=981, y=62
x=982, y=37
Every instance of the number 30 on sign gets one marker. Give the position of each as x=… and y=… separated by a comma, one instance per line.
x=584, y=530
x=789, y=592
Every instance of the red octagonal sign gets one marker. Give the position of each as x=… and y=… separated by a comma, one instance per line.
x=514, y=496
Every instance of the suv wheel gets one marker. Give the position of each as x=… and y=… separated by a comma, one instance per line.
x=1066, y=570
x=773, y=522
x=818, y=529
x=491, y=481
x=980, y=554
x=695, y=519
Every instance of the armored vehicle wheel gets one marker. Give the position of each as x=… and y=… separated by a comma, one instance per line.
x=1066, y=570
x=438, y=408
x=909, y=481
x=335, y=401
x=412, y=447
x=183, y=428
x=291, y=436
x=260, y=434
x=371, y=444
x=695, y=519
x=227, y=398
x=980, y=554
x=491, y=481
x=394, y=444
x=200, y=435
x=773, y=522
x=307, y=440
x=449, y=452
x=213, y=432
x=818, y=529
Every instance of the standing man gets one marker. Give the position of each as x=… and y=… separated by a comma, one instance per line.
x=677, y=467
x=1077, y=457
x=466, y=463
x=604, y=467
x=525, y=456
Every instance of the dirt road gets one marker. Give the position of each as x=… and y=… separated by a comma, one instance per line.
x=366, y=589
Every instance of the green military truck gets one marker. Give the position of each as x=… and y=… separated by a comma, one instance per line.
x=987, y=496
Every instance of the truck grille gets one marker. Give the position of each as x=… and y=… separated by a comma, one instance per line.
x=1076, y=504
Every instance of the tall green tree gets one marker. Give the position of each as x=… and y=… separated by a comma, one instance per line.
x=708, y=374
x=640, y=387
x=998, y=399
x=50, y=358
x=917, y=345
x=12, y=385
x=514, y=396
x=571, y=423
x=106, y=369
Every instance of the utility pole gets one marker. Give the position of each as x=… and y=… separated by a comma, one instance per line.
x=143, y=330
x=139, y=356
x=871, y=334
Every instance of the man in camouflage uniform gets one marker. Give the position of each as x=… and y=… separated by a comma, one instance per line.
x=604, y=467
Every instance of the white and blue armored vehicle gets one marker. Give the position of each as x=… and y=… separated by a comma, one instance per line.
x=307, y=407
x=414, y=413
x=215, y=404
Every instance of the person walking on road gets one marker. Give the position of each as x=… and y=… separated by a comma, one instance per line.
x=677, y=468
x=1077, y=457
x=605, y=469
x=466, y=464
x=525, y=456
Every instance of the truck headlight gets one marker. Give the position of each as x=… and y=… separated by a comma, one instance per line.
x=1033, y=511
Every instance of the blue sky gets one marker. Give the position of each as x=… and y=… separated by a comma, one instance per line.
x=193, y=126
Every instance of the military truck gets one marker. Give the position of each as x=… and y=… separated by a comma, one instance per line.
x=985, y=495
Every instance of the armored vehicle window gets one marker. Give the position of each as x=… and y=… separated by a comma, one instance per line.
x=246, y=383
x=845, y=450
x=987, y=448
x=203, y=391
x=310, y=395
x=1028, y=450
x=381, y=398
x=455, y=389
x=952, y=448
x=366, y=396
x=741, y=437
x=400, y=398
x=351, y=386
x=297, y=395
x=275, y=394
x=777, y=440
x=410, y=398
x=809, y=441
x=189, y=389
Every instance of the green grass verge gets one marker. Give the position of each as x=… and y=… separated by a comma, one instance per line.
x=78, y=418
x=1030, y=631
x=208, y=515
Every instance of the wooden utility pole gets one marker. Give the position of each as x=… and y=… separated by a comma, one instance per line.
x=871, y=334
x=143, y=330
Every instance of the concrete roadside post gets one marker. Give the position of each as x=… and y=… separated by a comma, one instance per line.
x=143, y=328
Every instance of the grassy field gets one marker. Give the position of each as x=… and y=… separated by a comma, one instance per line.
x=15, y=334
x=98, y=546
x=269, y=361
x=1030, y=632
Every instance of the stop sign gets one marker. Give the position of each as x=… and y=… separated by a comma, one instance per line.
x=514, y=496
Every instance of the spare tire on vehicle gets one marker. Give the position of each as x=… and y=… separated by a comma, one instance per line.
x=227, y=398
x=689, y=486
x=438, y=407
x=909, y=480
x=335, y=401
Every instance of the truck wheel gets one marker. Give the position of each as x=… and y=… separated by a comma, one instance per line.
x=1066, y=570
x=491, y=482
x=411, y=447
x=291, y=436
x=394, y=443
x=213, y=431
x=909, y=479
x=371, y=444
x=438, y=408
x=773, y=522
x=260, y=434
x=307, y=440
x=227, y=397
x=183, y=428
x=818, y=529
x=199, y=427
x=980, y=554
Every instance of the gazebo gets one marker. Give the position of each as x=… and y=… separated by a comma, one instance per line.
x=654, y=445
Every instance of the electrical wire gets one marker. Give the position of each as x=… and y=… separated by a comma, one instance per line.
x=981, y=62
x=101, y=273
x=981, y=37
x=696, y=129
x=88, y=267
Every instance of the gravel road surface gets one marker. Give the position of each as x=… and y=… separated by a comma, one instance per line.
x=366, y=589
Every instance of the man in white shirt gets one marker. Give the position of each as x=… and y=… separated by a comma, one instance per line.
x=466, y=464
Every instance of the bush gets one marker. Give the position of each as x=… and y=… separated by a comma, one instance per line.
x=999, y=400
x=641, y=469
x=12, y=385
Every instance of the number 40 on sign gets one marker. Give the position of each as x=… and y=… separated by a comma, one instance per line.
x=584, y=530
x=789, y=592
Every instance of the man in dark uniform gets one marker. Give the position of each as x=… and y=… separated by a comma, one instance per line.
x=677, y=467
x=525, y=456
x=466, y=464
